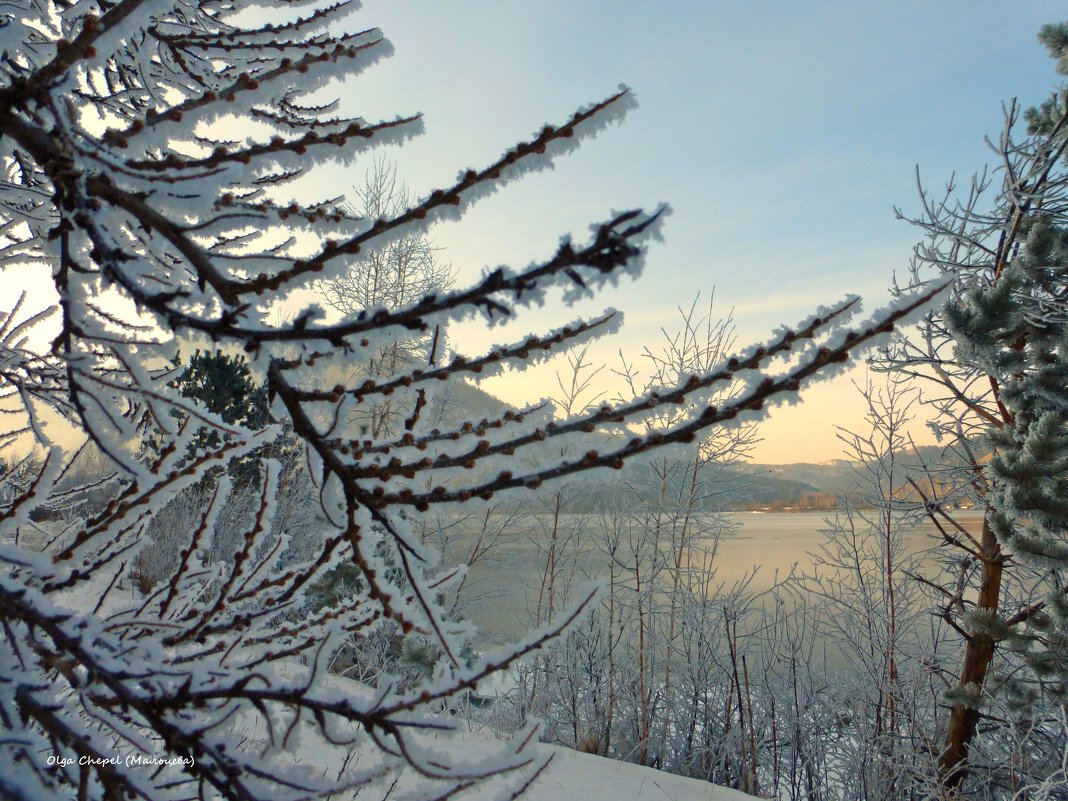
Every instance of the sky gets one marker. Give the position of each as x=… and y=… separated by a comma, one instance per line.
x=783, y=136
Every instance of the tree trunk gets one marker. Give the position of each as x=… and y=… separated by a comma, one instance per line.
x=978, y=654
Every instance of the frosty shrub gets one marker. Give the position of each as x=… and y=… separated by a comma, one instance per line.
x=147, y=149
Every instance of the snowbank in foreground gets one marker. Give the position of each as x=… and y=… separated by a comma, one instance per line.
x=582, y=777
x=570, y=776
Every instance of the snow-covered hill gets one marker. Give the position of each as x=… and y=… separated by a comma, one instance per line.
x=574, y=776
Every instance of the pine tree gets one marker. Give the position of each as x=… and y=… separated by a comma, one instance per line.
x=996, y=351
x=225, y=386
x=1016, y=330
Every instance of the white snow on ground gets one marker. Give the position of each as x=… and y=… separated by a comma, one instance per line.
x=570, y=776
x=574, y=776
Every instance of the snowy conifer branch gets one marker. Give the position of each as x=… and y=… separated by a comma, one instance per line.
x=171, y=605
x=505, y=354
x=754, y=399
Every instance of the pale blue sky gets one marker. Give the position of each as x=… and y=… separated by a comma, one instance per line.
x=782, y=134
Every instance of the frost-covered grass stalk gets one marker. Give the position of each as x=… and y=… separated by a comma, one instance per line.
x=148, y=147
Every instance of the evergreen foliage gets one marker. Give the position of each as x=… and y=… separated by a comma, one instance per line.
x=224, y=385
x=1016, y=330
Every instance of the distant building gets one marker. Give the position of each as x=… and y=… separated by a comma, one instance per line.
x=816, y=500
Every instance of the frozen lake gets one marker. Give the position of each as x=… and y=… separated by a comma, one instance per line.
x=501, y=589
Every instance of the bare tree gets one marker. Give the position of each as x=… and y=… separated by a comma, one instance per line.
x=885, y=667
x=609, y=686
x=404, y=270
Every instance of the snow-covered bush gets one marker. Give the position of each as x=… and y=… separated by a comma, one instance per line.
x=148, y=147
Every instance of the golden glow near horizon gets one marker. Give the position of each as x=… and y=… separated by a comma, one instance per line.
x=806, y=431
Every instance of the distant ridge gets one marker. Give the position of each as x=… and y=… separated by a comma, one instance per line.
x=745, y=486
